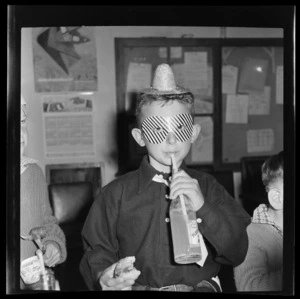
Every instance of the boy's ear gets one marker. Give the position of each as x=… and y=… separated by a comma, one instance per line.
x=275, y=199
x=138, y=137
x=196, y=131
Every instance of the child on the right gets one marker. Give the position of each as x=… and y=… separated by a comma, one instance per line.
x=262, y=268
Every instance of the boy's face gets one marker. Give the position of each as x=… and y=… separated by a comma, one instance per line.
x=166, y=129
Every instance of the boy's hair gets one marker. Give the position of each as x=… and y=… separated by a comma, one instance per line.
x=272, y=169
x=146, y=99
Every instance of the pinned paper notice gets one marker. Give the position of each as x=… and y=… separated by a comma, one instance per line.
x=138, y=77
x=196, y=78
x=237, y=109
x=260, y=140
x=68, y=125
x=176, y=52
x=178, y=70
x=253, y=75
x=229, y=79
x=259, y=103
x=279, y=85
x=202, y=148
x=162, y=52
x=196, y=73
x=196, y=58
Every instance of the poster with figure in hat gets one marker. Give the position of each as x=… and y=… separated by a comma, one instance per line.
x=64, y=59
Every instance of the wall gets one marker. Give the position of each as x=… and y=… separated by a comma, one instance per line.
x=105, y=104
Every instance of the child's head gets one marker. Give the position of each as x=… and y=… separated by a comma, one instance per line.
x=164, y=115
x=272, y=178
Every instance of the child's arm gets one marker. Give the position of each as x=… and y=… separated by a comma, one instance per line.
x=50, y=248
x=254, y=273
x=54, y=239
x=100, y=241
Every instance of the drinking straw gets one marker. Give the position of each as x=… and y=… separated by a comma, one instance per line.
x=175, y=169
x=41, y=259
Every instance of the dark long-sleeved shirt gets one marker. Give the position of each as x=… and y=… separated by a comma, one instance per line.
x=131, y=218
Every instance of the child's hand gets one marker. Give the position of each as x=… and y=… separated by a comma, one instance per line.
x=108, y=282
x=182, y=183
x=52, y=254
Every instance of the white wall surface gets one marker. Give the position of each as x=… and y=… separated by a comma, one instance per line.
x=105, y=98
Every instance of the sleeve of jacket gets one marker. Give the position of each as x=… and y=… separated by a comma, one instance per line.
x=99, y=236
x=224, y=223
x=55, y=233
x=253, y=275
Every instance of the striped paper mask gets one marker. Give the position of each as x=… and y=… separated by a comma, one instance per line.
x=157, y=128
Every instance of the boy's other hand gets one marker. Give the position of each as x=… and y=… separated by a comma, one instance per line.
x=182, y=183
x=52, y=254
x=108, y=282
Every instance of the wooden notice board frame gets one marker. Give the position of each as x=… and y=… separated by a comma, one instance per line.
x=160, y=50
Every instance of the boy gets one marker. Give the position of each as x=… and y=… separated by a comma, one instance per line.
x=262, y=267
x=131, y=215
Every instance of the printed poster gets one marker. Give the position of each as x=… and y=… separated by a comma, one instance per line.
x=64, y=59
x=68, y=125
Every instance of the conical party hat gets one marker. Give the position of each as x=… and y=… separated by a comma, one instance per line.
x=164, y=82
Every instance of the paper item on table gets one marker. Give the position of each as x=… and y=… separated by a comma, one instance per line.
x=31, y=270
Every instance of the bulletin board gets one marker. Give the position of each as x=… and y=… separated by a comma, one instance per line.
x=217, y=72
x=252, y=101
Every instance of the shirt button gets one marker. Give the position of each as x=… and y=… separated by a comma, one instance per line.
x=199, y=220
x=167, y=219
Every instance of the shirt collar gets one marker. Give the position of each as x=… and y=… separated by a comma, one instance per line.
x=147, y=172
x=260, y=215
